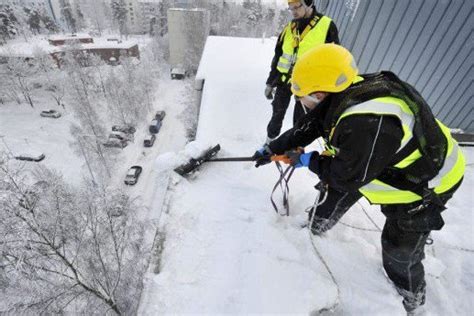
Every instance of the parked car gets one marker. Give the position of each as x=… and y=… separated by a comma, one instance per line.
x=116, y=143
x=36, y=157
x=50, y=113
x=121, y=136
x=178, y=73
x=149, y=140
x=155, y=126
x=160, y=115
x=132, y=175
x=127, y=129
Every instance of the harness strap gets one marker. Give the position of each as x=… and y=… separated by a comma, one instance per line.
x=397, y=179
x=285, y=189
x=297, y=38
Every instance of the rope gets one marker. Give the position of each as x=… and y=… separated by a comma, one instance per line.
x=359, y=228
x=369, y=217
x=429, y=240
x=320, y=256
x=285, y=189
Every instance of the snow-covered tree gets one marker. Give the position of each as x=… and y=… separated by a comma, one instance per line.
x=119, y=12
x=68, y=250
x=8, y=23
x=81, y=95
x=129, y=103
x=21, y=72
x=97, y=15
x=68, y=15
x=34, y=20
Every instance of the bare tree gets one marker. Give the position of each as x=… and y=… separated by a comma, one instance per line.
x=98, y=65
x=68, y=250
x=129, y=89
x=21, y=72
x=84, y=105
x=98, y=15
x=57, y=91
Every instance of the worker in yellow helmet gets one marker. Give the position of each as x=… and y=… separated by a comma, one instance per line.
x=307, y=29
x=383, y=143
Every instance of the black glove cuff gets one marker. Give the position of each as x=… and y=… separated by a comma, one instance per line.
x=314, y=164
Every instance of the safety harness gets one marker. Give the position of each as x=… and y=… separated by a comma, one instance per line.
x=297, y=39
x=428, y=136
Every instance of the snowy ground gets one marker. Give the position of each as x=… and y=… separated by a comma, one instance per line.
x=225, y=250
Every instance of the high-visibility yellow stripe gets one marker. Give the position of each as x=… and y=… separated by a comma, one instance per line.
x=386, y=106
x=312, y=37
x=450, y=174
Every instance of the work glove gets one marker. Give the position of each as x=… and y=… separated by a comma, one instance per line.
x=262, y=156
x=269, y=92
x=299, y=158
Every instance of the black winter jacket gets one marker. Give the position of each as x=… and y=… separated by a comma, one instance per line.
x=366, y=144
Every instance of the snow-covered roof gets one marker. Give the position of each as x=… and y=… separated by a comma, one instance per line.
x=188, y=9
x=228, y=252
x=233, y=64
x=58, y=37
x=105, y=43
x=39, y=45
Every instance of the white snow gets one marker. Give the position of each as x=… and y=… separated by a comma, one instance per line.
x=227, y=252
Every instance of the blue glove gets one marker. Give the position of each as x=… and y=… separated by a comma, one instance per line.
x=262, y=156
x=299, y=159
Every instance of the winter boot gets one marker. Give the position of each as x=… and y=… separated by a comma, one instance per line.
x=320, y=224
x=413, y=301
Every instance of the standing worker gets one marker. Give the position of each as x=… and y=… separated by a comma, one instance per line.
x=307, y=29
x=383, y=143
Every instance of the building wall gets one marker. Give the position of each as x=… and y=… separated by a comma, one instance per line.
x=187, y=31
x=427, y=43
x=149, y=10
x=133, y=16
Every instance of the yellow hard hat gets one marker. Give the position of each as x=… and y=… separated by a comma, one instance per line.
x=306, y=2
x=325, y=68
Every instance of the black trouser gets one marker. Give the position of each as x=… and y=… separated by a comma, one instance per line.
x=403, y=237
x=403, y=240
x=336, y=205
x=280, y=104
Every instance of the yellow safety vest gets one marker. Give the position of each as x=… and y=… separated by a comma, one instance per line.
x=450, y=174
x=295, y=44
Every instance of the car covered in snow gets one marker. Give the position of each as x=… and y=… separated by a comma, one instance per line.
x=155, y=126
x=115, y=143
x=127, y=129
x=50, y=113
x=121, y=136
x=149, y=140
x=132, y=175
x=178, y=73
x=30, y=156
x=160, y=115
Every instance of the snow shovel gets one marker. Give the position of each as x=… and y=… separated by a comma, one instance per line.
x=208, y=156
